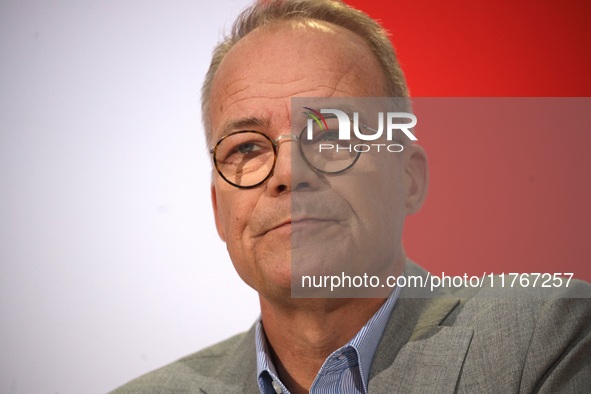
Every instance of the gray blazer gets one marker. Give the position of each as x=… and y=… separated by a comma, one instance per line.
x=483, y=341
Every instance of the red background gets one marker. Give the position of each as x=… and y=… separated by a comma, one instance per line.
x=524, y=205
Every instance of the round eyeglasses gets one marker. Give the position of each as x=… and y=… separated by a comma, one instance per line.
x=246, y=159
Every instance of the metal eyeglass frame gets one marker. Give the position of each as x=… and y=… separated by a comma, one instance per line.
x=275, y=143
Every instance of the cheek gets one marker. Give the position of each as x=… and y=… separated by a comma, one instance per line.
x=235, y=208
x=234, y=219
x=380, y=201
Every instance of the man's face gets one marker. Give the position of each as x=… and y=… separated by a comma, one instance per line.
x=322, y=219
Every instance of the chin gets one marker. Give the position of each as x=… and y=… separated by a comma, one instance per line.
x=272, y=275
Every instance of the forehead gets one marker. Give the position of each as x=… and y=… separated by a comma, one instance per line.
x=274, y=63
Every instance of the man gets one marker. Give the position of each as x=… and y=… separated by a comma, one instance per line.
x=278, y=207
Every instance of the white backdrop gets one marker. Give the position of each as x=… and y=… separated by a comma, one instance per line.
x=109, y=261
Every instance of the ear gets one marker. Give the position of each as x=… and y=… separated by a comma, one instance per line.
x=417, y=176
x=216, y=213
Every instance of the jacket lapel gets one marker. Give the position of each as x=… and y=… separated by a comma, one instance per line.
x=239, y=373
x=417, y=354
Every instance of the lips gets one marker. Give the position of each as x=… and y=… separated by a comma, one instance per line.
x=298, y=212
x=297, y=223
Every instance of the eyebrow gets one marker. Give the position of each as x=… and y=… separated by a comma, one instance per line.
x=253, y=122
x=243, y=124
x=345, y=107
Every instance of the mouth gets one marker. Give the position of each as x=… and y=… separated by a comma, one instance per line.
x=292, y=225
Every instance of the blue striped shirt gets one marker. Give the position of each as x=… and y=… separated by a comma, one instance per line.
x=346, y=370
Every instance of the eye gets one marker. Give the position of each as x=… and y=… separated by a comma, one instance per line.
x=320, y=137
x=247, y=147
x=240, y=147
x=328, y=135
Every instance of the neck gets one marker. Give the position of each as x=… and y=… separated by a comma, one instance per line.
x=302, y=334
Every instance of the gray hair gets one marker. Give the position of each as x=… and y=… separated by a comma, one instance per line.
x=265, y=12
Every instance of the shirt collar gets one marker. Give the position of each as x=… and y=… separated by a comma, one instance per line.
x=365, y=343
x=267, y=375
x=367, y=339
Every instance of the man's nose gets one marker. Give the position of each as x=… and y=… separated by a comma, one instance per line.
x=291, y=171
